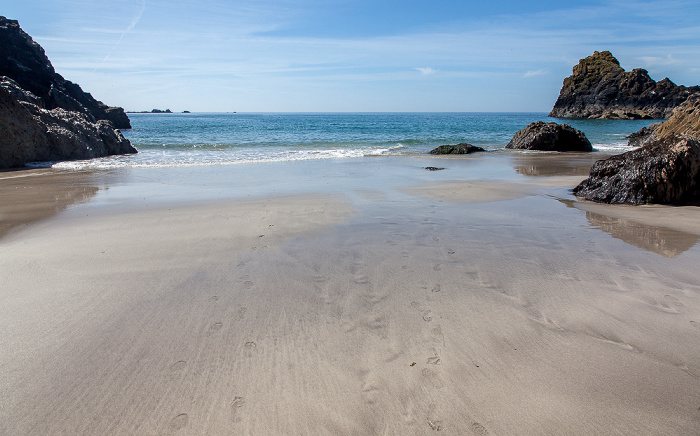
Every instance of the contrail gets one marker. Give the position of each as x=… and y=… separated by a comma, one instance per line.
x=133, y=23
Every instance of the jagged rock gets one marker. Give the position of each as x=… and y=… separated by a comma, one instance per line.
x=550, y=137
x=685, y=120
x=25, y=62
x=29, y=133
x=600, y=88
x=61, y=122
x=462, y=148
x=667, y=171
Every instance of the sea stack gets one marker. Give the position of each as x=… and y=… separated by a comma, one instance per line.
x=600, y=88
x=44, y=117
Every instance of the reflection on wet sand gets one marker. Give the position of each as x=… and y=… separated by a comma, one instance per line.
x=30, y=196
x=552, y=164
x=660, y=240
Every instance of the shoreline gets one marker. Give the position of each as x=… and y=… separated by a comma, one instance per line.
x=366, y=297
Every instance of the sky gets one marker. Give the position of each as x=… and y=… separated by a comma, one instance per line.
x=352, y=55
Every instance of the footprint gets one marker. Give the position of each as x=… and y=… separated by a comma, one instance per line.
x=436, y=288
x=434, y=423
x=437, y=267
x=675, y=300
x=241, y=312
x=216, y=327
x=179, y=422
x=237, y=403
x=427, y=315
x=247, y=284
x=436, y=335
x=250, y=345
x=178, y=366
x=416, y=305
x=432, y=377
x=435, y=359
x=479, y=429
x=450, y=251
x=695, y=324
x=214, y=298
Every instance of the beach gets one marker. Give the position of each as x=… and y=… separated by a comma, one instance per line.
x=357, y=296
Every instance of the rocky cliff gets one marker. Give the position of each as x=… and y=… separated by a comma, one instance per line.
x=600, y=88
x=43, y=117
x=24, y=61
x=30, y=133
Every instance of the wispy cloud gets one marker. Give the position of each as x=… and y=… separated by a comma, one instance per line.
x=427, y=71
x=132, y=24
x=535, y=73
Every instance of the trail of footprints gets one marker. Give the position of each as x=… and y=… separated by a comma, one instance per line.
x=436, y=343
x=178, y=368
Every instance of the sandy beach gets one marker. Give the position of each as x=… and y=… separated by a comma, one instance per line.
x=368, y=297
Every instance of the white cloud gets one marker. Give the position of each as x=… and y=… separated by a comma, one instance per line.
x=427, y=71
x=534, y=73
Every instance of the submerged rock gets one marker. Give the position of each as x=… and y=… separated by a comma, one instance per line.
x=600, y=88
x=667, y=171
x=462, y=148
x=550, y=137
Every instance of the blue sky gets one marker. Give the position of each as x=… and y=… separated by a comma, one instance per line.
x=344, y=55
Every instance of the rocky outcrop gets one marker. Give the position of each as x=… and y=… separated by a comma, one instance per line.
x=44, y=117
x=24, y=61
x=462, y=148
x=30, y=133
x=685, y=120
x=550, y=137
x=667, y=171
x=600, y=88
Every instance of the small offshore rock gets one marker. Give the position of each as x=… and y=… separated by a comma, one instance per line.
x=434, y=168
x=462, y=148
x=550, y=137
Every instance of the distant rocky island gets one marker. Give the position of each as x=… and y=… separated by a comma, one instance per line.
x=44, y=117
x=152, y=111
x=600, y=88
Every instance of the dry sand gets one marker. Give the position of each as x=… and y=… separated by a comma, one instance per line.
x=319, y=314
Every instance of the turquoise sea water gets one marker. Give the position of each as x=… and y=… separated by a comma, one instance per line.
x=166, y=140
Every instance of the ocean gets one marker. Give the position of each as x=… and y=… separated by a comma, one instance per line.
x=201, y=139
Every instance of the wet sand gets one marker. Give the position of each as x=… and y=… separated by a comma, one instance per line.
x=386, y=300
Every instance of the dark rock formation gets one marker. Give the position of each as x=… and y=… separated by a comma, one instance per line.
x=24, y=61
x=462, y=148
x=600, y=88
x=550, y=137
x=434, y=168
x=30, y=133
x=667, y=171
